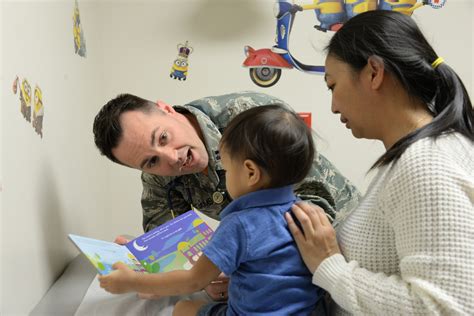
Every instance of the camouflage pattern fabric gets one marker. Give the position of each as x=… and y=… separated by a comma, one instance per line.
x=166, y=197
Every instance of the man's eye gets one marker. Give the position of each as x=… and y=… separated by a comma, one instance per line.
x=152, y=162
x=163, y=138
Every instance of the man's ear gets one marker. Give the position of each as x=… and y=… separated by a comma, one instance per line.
x=253, y=172
x=165, y=107
x=375, y=71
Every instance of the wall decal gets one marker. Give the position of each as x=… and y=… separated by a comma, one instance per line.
x=38, y=112
x=15, y=85
x=179, y=70
x=78, y=32
x=25, y=99
x=265, y=64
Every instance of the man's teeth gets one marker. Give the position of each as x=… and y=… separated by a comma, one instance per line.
x=188, y=159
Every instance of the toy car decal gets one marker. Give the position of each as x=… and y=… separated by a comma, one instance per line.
x=265, y=65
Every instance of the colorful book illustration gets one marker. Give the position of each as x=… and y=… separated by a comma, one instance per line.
x=175, y=245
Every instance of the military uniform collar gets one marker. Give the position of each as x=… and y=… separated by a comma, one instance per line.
x=211, y=135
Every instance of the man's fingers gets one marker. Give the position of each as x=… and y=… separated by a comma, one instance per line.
x=121, y=240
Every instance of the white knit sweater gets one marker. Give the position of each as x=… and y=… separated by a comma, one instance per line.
x=409, y=245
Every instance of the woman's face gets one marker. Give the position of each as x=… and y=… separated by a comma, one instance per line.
x=351, y=97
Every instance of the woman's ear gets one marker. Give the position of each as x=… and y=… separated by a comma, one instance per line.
x=253, y=173
x=375, y=71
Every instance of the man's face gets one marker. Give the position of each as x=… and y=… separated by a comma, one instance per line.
x=162, y=142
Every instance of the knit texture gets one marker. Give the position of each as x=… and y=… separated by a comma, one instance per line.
x=409, y=245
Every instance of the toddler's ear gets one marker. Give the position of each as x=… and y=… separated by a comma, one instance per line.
x=254, y=174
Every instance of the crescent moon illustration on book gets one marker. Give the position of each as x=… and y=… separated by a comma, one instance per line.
x=139, y=248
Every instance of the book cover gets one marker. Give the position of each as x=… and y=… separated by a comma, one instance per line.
x=175, y=245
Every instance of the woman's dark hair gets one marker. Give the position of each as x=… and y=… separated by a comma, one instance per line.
x=107, y=129
x=407, y=55
x=275, y=138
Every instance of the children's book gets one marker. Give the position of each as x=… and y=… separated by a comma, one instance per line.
x=175, y=245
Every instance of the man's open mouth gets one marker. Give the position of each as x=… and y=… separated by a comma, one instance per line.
x=187, y=162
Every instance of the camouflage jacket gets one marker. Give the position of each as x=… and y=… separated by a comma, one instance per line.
x=166, y=197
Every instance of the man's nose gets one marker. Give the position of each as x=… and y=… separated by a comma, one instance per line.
x=171, y=156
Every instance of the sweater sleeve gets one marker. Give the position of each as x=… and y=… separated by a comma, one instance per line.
x=428, y=203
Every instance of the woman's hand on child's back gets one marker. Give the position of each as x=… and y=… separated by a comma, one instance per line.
x=318, y=240
x=119, y=281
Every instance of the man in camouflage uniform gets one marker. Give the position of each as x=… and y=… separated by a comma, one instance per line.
x=128, y=130
x=165, y=197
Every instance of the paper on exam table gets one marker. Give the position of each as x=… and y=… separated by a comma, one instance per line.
x=98, y=302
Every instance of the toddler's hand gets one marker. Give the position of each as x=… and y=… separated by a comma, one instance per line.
x=119, y=281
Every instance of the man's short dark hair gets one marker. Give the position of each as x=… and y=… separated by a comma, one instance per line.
x=107, y=129
x=276, y=139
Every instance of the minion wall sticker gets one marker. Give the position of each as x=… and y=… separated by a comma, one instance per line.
x=179, y=70
x=15, y=85
x=38, y=112
x=25, y=99
x=79, y=41
x=26, y=96
x=265, y=65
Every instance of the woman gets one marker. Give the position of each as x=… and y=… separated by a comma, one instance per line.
x=409, y=246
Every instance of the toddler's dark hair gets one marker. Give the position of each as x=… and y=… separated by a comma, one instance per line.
x=276, y=139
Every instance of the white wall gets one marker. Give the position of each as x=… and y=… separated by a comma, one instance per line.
x=60, y=184
x=1, y=158
x=55, y=185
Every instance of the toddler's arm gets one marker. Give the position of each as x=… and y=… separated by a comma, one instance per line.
x=178, y=282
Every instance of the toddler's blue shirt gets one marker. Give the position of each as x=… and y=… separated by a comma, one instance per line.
x=254, y=247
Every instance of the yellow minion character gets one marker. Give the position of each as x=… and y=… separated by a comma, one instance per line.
x=25, y=99
x=38, y=112
x=330, y=13
x=403, y=6
x=179, y=70
x=354, y=7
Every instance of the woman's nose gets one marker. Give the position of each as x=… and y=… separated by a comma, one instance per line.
x=334, y=108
